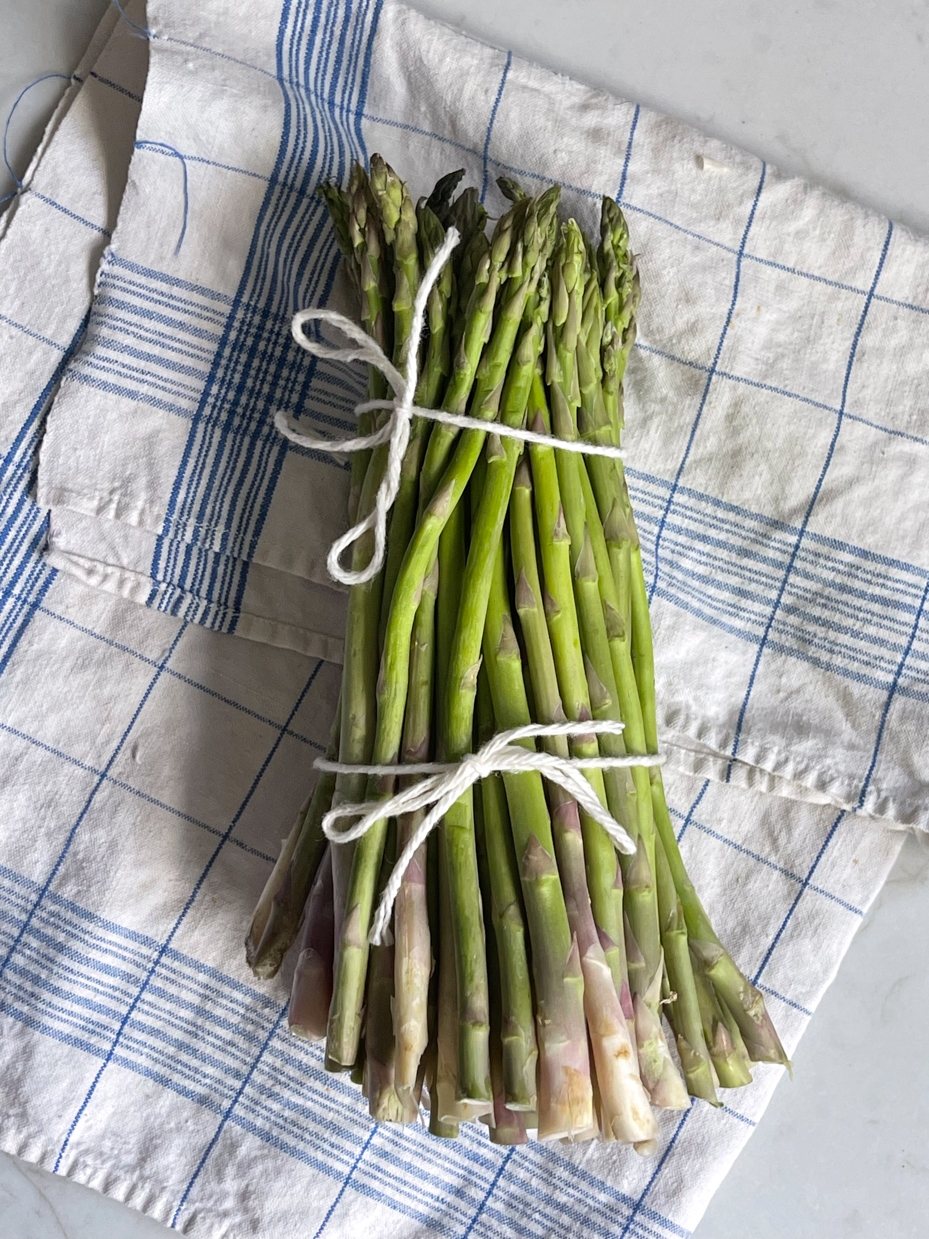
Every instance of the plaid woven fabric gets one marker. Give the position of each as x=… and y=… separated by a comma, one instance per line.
x=152, y=763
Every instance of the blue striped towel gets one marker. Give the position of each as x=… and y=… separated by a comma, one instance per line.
x=151, y=762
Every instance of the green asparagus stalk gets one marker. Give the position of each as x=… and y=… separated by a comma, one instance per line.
x=413, y=950
x=623, y=1105
x=445, y=1111
x=620, y=293
x=412, y=947
x=723, y=1039
x=603, y=875
x=507, y=1126
x=684, y=1008
x=658, y=1072
x=516, y=1087
x=510, y=188
x=513, y=1049
x=610, y=679
x=384, y=1102
x=440, y=200
x=432, y=377
x=565, y=1097
x=441, y=311
x=364, y=603
x=398, y=219
x=575, y=615
x=561, y=616
x=276, y=920
x=455, y=1105
x=486, y=532
x=469, y=217
x=372, y=274
x=602, y=476
x=601, y=473
x=311, y=989
x=438, y=1023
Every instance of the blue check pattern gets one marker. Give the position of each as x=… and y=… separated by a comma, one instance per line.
x=154, y=1000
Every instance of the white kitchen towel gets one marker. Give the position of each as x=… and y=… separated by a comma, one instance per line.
x=777, y=433
x=150, y=768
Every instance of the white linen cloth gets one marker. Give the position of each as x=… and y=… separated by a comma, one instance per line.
x=151, y=764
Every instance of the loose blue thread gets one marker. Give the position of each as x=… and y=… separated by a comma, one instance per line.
x=6, y=130
x=163, y=146
x=143, y=31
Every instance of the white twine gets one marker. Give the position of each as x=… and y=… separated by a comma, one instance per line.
x=445, y=782
x=396, y=430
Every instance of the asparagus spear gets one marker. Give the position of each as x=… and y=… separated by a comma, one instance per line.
x=413, y=950
x=384, y=1102
x=375, y=284
x=470, y=218
x=684, y=1008
x=398, y=220
x=510, y=188
x=364, y=602
x=311, y=989
x=639, y=873
x=445, y=1112
x=565, y=1097
x=430, y=235
x=487, y=527
x=361, y=240
x=455, y=1104
x=575, y=615
x=723, y=1039
x=513, y=1050
x=507, y=1126
x=276, y=919
x=413, y=957
x=623, y=1105
x=440, y=200
x=509, y=963
x=658, y=1071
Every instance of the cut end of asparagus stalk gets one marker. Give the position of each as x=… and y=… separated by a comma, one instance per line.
x=745, y=1001
x=660, y=1076
x=308, y=1014
x=262, y=914
x=565, y=1093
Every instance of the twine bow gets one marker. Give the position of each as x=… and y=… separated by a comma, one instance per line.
x=444, y=783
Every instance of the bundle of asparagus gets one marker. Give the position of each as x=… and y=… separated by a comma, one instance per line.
x=529, y=967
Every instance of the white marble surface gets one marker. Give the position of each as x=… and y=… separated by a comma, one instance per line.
x=836, y=90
